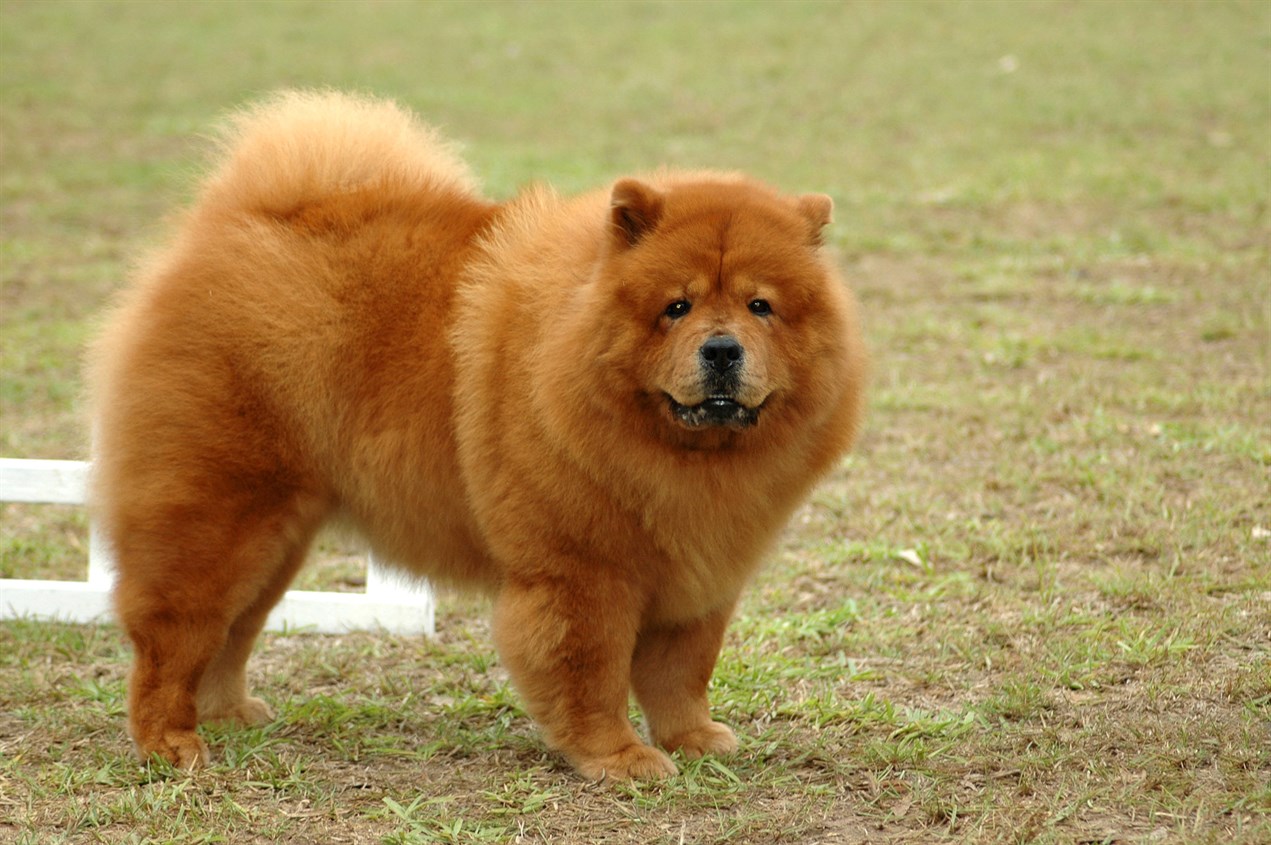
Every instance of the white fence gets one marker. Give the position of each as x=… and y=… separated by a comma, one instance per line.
x=391, y=602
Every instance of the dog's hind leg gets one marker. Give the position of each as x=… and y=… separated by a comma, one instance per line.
x=195, y=585
x=223, y=692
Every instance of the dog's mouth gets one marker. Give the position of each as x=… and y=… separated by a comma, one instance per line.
x=714, y=411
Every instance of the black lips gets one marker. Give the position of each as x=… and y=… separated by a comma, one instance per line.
x=715, y=411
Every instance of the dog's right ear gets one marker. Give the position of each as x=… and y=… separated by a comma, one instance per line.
x=635, y=209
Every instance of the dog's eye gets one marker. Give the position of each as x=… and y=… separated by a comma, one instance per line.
x=759, y=307
x=678, y=308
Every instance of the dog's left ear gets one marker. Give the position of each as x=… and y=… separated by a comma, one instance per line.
x=817, y=210
x=635, y=209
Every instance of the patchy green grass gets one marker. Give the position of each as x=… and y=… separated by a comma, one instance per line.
x=1035, y=606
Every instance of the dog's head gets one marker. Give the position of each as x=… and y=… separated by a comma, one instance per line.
x=721, y=310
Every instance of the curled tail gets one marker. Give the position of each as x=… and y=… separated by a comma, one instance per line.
x=299, y=146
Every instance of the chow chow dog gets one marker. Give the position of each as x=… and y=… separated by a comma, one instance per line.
x=599, y=409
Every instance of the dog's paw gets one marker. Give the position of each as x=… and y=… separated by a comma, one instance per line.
x=183, y=749
x=247, y=711
x=711, y=738
x=635, y=762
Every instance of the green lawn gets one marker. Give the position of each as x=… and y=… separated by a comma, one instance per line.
x=1034, y=606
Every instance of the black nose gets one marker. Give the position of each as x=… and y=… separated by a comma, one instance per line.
x=721, y=353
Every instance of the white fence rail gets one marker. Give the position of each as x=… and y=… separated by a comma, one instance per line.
x=391, y=602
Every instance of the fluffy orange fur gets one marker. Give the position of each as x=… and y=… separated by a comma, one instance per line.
x=598, y=409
